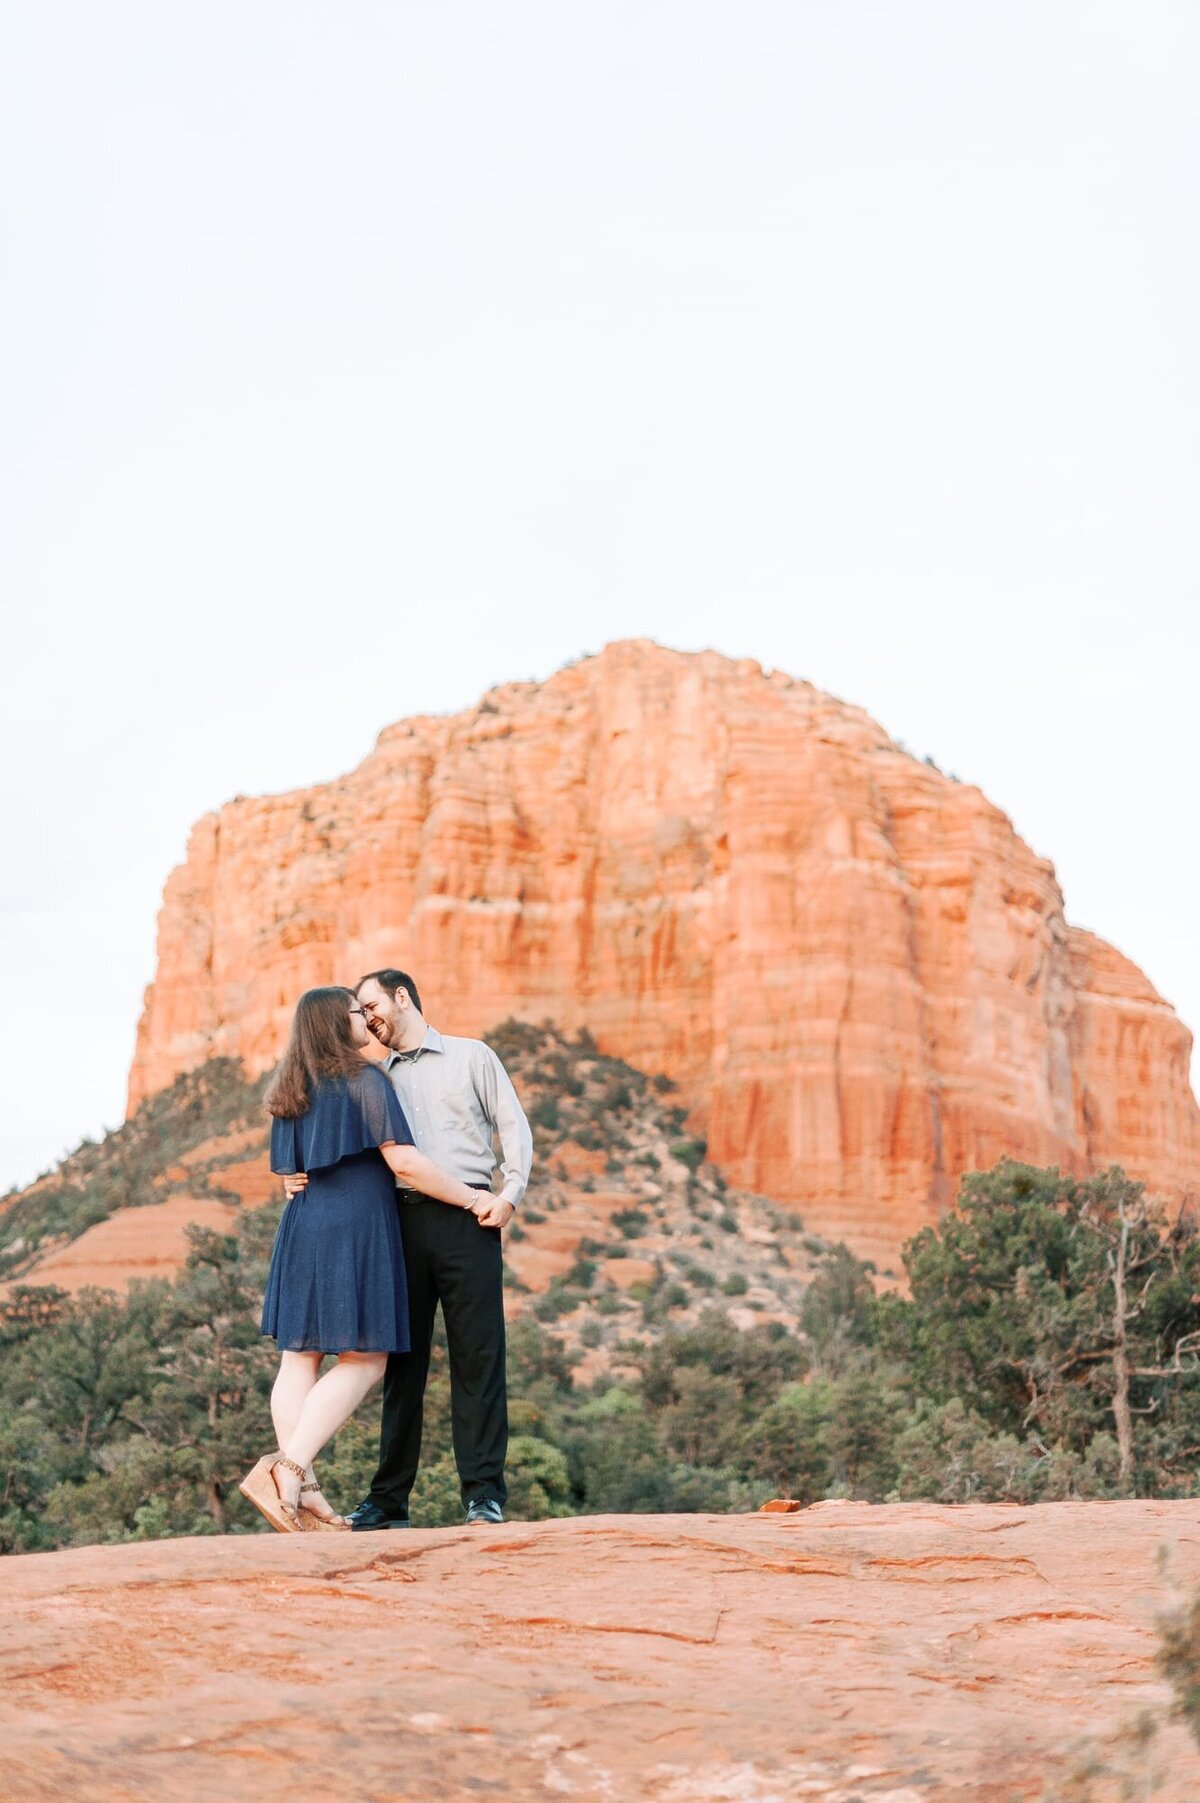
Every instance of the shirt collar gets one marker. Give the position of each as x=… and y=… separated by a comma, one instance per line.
x=432, y=1042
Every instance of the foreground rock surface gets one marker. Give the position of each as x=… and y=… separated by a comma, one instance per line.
x=905, y=1654
x=860, y=976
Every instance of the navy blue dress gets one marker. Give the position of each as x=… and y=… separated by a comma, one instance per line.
x=337, y=1282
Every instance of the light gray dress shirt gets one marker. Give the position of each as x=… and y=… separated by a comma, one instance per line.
x=456, y=1094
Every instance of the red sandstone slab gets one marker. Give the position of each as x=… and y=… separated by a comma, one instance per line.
x=133, y=1242
x=251, y=1179
x=906, y=1654
x=226, y=1145
x=625, y=1272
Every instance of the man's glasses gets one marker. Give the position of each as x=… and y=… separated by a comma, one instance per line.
x=355, y=1011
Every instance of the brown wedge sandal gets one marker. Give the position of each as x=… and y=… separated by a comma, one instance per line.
x=260, y=1490
x=312, y=1522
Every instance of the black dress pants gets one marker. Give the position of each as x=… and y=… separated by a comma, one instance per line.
x=451, y=1259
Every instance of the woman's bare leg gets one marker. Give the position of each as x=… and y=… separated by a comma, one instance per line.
x=330, y=1403
x=287, y=1400
x=298, y=1372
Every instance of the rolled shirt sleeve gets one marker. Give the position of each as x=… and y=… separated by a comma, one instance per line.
x=499, y=1099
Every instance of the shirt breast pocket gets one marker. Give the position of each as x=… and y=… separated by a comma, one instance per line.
x=457, y=1116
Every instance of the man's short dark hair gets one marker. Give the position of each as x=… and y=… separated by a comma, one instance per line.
x=391, y=980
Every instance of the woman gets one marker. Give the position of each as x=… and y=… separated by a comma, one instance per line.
x=336, y=1283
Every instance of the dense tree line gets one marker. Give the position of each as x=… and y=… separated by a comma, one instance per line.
x=1047, y=1348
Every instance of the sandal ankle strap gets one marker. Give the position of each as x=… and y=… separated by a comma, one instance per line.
x=291, y=1465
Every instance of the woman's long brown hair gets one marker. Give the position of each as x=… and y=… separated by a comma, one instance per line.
x=321, y=1045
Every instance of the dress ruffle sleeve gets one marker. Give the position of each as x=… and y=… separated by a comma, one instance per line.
x=345, y=1117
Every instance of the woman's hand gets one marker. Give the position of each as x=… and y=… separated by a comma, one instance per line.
x=295, y=1186
x=493, y=1211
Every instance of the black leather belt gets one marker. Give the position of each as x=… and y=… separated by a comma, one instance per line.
x=417, y=1195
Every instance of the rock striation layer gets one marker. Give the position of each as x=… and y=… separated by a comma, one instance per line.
x=859, y=974
x=907, y=1654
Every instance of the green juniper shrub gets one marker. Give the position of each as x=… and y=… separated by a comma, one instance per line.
x=538, y=1477
x=787, y=1444
x=1016, y=1310
x=838, y=1313
x=29, y=1310
x=861, y=1434
x=555, y=1301
x=436, y=1500
x=689, y=1152
x=946, y=1452
x=1179, y=1660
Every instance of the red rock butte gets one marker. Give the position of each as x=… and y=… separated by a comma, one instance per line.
x=860, y=976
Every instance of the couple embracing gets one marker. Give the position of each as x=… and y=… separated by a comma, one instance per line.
x=388, y=1169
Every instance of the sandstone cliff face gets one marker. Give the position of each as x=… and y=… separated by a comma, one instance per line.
x=860, y=976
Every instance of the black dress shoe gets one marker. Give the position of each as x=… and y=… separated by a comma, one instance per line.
x=369, y=1516
x=484, y=1508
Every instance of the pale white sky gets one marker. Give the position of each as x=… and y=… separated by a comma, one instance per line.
x=355, y=357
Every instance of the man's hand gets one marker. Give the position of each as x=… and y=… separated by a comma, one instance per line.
x=493, y=1211
x=294, y=1186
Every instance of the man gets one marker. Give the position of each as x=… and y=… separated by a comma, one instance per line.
x=456, y=1095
